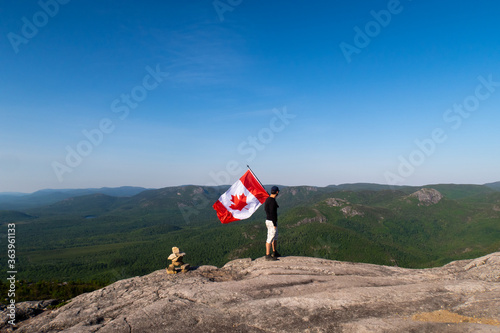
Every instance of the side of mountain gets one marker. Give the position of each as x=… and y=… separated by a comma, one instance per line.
x=9, y=216
x=90, y=205
x=495, y=186
x=49, y=196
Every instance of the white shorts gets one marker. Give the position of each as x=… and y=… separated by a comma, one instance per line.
x=272, y=232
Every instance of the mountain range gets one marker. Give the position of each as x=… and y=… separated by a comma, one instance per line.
x=111, y=234
x=20, y=201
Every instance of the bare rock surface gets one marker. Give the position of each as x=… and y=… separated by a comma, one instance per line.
x=293, y=294
x=348, y=211
x=427, y=196
x=335, y=202
x=320, y=218
x=351, y=212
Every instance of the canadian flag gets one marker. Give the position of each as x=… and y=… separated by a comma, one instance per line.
x=241, y=200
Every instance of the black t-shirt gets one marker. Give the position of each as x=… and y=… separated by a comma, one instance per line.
x=271, y=208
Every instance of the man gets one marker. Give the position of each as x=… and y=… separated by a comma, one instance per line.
x=271, y=208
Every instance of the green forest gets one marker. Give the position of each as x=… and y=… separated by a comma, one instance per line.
x=86, y=242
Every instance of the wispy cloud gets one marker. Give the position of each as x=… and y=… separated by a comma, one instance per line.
x=202, y=55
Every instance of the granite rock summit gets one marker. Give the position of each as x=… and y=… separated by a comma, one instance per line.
x=427, y=196
x=293, y=294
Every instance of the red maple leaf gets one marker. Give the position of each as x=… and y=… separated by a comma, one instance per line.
x=238, y=202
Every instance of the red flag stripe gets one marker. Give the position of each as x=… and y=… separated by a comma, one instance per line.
x=253, y=186
x=222, y=213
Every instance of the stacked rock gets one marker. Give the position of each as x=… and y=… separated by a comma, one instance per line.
x=177, y=265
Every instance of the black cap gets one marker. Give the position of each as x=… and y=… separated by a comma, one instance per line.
x=275, y=190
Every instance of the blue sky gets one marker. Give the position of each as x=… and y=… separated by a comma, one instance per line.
x=163, y=93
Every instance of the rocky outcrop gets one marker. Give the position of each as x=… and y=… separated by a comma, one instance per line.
x=348, y=211
x=351, y=212
x=319, y=218
x=295, y=190
x=293, y=294
x=24, y=311
x=427, y=196
x=335, y=202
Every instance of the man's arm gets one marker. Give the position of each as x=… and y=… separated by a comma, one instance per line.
x=275, y=213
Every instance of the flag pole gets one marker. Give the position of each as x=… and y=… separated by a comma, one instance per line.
x=255, y=176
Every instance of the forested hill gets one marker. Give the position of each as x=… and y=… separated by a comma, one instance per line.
x=21, y=201
x=108, y=237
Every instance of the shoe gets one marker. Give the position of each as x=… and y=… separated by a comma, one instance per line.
x=276, y=254
x=268, y=257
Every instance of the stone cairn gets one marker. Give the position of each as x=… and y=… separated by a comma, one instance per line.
x=177, y=265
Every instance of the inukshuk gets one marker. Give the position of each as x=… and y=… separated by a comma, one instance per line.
x=177, y=264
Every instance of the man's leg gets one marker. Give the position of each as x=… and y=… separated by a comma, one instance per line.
x=270, y=236
x=275, y=243
x=271, y=232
